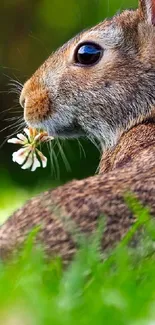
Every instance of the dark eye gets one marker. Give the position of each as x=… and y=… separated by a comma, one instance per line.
x=88, y=54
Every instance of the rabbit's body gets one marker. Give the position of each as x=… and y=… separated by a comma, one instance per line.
x=112, y=99
x=130, y=167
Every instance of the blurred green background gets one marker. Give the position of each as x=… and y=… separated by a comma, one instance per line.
x=30, y=31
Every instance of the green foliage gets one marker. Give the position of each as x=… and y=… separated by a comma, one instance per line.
x=118, y=290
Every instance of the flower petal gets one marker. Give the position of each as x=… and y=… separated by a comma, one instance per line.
x=15, y=141
x=43, y=137
x=43, y=158
x=38, y=137
x=28, y=162
x=33, y=132
x=20, y=155
x=22, y=137
x=27, y=132
x=36, y=163
x=46, y=138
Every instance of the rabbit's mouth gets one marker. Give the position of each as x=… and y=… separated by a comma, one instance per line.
x=65, y=131
x=58, y=127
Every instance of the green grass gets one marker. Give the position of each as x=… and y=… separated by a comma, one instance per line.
x=13, y=197
x=11, y=200
x=118, y=290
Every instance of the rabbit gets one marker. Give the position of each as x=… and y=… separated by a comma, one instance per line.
x=100, y=85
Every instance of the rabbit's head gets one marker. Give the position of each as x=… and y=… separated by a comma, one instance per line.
x=100, y=83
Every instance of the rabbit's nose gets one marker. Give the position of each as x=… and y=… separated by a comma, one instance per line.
x=35, y=102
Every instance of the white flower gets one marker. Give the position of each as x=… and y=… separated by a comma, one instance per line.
x=29, y=154
x=36, y=163
x=42, y=158
x=29, y=161
x=21, y=155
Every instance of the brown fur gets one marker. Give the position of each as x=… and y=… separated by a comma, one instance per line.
x=38, y=101
x=113, y=100
x=129, y=167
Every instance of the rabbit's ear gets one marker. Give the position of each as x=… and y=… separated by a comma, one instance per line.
x=147, y=8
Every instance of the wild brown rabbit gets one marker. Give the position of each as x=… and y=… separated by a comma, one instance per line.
x=100, y=84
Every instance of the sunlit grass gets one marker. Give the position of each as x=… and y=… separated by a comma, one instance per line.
x=12, y=200
x=13, y=197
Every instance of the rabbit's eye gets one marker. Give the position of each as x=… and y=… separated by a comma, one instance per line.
x=88, y=54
